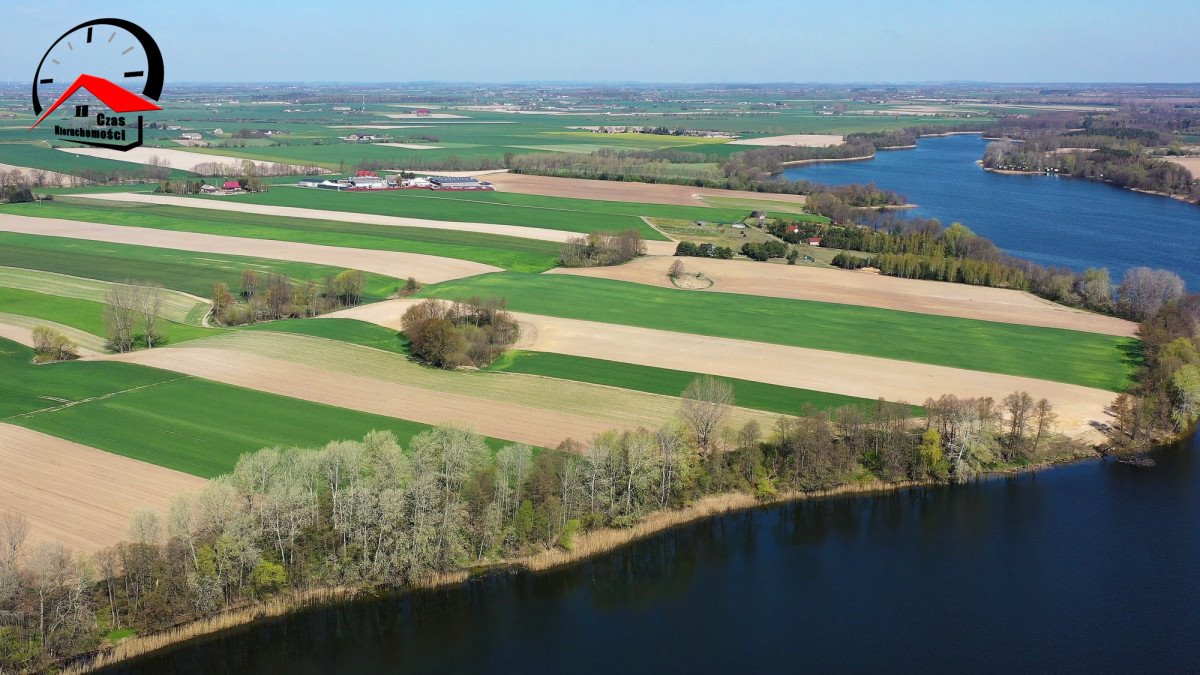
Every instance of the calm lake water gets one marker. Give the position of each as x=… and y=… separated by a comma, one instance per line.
x=1054, y=221
x=1087, y=567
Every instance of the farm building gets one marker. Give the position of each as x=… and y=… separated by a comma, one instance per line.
x=371, y=182
x=814, y=241
x=458, y=183
x=208, y=189
x=231, y=185
x=190, y=136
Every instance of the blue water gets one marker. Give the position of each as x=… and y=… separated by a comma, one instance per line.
x=1054, y=221
x=1086, y=568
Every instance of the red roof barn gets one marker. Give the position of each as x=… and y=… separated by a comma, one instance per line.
x=232, y=185
x=814, y=241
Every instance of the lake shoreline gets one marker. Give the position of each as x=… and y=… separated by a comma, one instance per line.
x=1020, y=172
x=588, y=545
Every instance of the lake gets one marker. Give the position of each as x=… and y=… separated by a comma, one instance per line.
x=1086, y=567
x=1054, y=221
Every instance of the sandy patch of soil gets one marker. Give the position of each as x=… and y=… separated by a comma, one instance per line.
x=77, y=495
x=499, y=419
x=867, y=289
x=849, y=374
x=803, y=140
x=176, y=159
x=427, y=268
x=620, y=191
x=343, y=216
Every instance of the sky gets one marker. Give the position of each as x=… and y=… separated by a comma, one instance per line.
x=639, y=40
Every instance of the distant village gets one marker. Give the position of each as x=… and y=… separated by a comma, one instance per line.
x=369, y=180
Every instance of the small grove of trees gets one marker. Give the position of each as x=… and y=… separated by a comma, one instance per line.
x=455, y=334
x=600, y=249
x=705, y=250
x=132, y=315
x=50, y=346
x=267, y=297
x=1166, y=399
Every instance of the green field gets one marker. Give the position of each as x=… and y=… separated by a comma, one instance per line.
x=1087, y=359
x=177, y=421
x=39, y=156
x=186, y=271
x=503, y=208
x=747, y=393
x=344, y=330
x=85, y=315
x=512, y=253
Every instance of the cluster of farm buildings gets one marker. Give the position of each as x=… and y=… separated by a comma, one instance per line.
x=369, y=180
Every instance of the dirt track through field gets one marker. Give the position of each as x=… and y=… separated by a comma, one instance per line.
x=620, y=191
x=427, y=268
x=539, y=233
x=78, y=495
x=508, y=421
x=863, y=288
x=834, y=372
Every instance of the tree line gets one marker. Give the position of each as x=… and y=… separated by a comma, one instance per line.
x=918, y=248
x=1107, y=158
x=1165, y=402
x=271, y=296
x=602, y=249
x=371, y=514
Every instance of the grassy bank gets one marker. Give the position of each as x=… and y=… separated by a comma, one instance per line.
x=85, y=315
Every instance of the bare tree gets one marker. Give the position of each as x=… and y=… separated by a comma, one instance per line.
x=677, y=270
x=1143, y=291
x=120, y=313
x=1018, y=405
x=149, y=298
x=706, y=405
x=1044, y=418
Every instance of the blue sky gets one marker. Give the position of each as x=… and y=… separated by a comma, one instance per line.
x=645, y=40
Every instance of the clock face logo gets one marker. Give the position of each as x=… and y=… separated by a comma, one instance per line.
x=118, y=64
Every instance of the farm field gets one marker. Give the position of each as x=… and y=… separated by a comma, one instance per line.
x=503, y=208
x=164, y=417
x=747, y=393
x=186, y=271
x=1086, y=359
x=512, y=253
x=298, y=379
x=40, y=156
x=564, y=396
x=176, y=306
x=389, y=263
x=84, y=315
x=650, y=193
x=803, y=282
x=866, y=377
x=80, y=496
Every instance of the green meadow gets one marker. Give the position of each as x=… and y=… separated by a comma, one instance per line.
x=180, y=422
x=512, y=253
x=1088, y=359
x=747, y=393
x=84, y=315
x=186, y=271
x=343, y=330
x=503, y=208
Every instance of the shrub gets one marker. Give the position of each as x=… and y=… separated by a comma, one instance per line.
x=452, y=335
x=50, y=345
